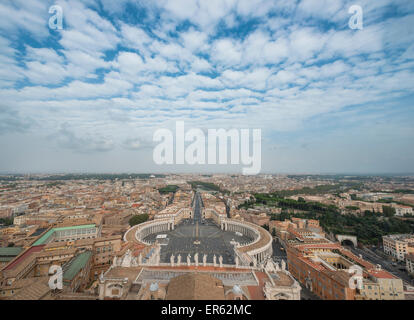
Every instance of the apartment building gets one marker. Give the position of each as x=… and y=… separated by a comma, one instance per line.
x=381, y=285
x=398, y=245
x=307, y=230
x=260, y=219
x=410, y=263
x=324, y=269
x=402, y=210
x=119, y=218
x=315, y=270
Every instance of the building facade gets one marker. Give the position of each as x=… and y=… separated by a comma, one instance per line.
x=399, y=245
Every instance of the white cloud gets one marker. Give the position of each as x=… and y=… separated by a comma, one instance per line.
x=112, y=86
x=255, y=8
x=45, y=73
x=133, y=67
x=43, y=55
x=135, y=38
x=205, y=14
x=10, y=72
x=130, y=63
x=347, y=43
x=305, y=43
x=194, y=41
x=85, y=30
x=66, y=138
x=325, y=9
x=29, y=16
x=255, y=79
x=226, y=52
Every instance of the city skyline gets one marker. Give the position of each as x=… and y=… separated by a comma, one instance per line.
x=143, y=237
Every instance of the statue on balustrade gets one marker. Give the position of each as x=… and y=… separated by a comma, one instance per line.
x=221, y=261
x=196, y=259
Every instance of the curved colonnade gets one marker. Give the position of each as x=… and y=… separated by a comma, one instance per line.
x=139, y=232
x=250, y=253
x=255, y=251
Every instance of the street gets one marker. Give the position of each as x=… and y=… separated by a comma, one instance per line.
x=278, y=253
x=374, y=258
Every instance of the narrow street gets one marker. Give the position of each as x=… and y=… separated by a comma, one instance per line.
x=278, y=252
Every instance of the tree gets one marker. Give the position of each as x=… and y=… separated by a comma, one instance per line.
x=6, y=221
x=352, y=208
x=388, y=211
x=138, y=219
x=170, y=188
x=284, y=215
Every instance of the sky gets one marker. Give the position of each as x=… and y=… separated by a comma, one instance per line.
x=89, y=97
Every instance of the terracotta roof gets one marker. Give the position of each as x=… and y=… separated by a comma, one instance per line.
x=195, y=286
x=283, y=280
x=57, y=252
x=339, y=276
x=318, y=246
x=18, y=284
x=35, y=291
x=23, y=256
x=382, y=274
x=121, y=272
x=362, y=262
x=256, y=292
x=265, y=238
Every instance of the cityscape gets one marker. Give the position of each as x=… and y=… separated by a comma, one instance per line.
x=209, y=237
x=184, y=152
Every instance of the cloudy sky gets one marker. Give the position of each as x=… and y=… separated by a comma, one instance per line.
x=89, y=97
